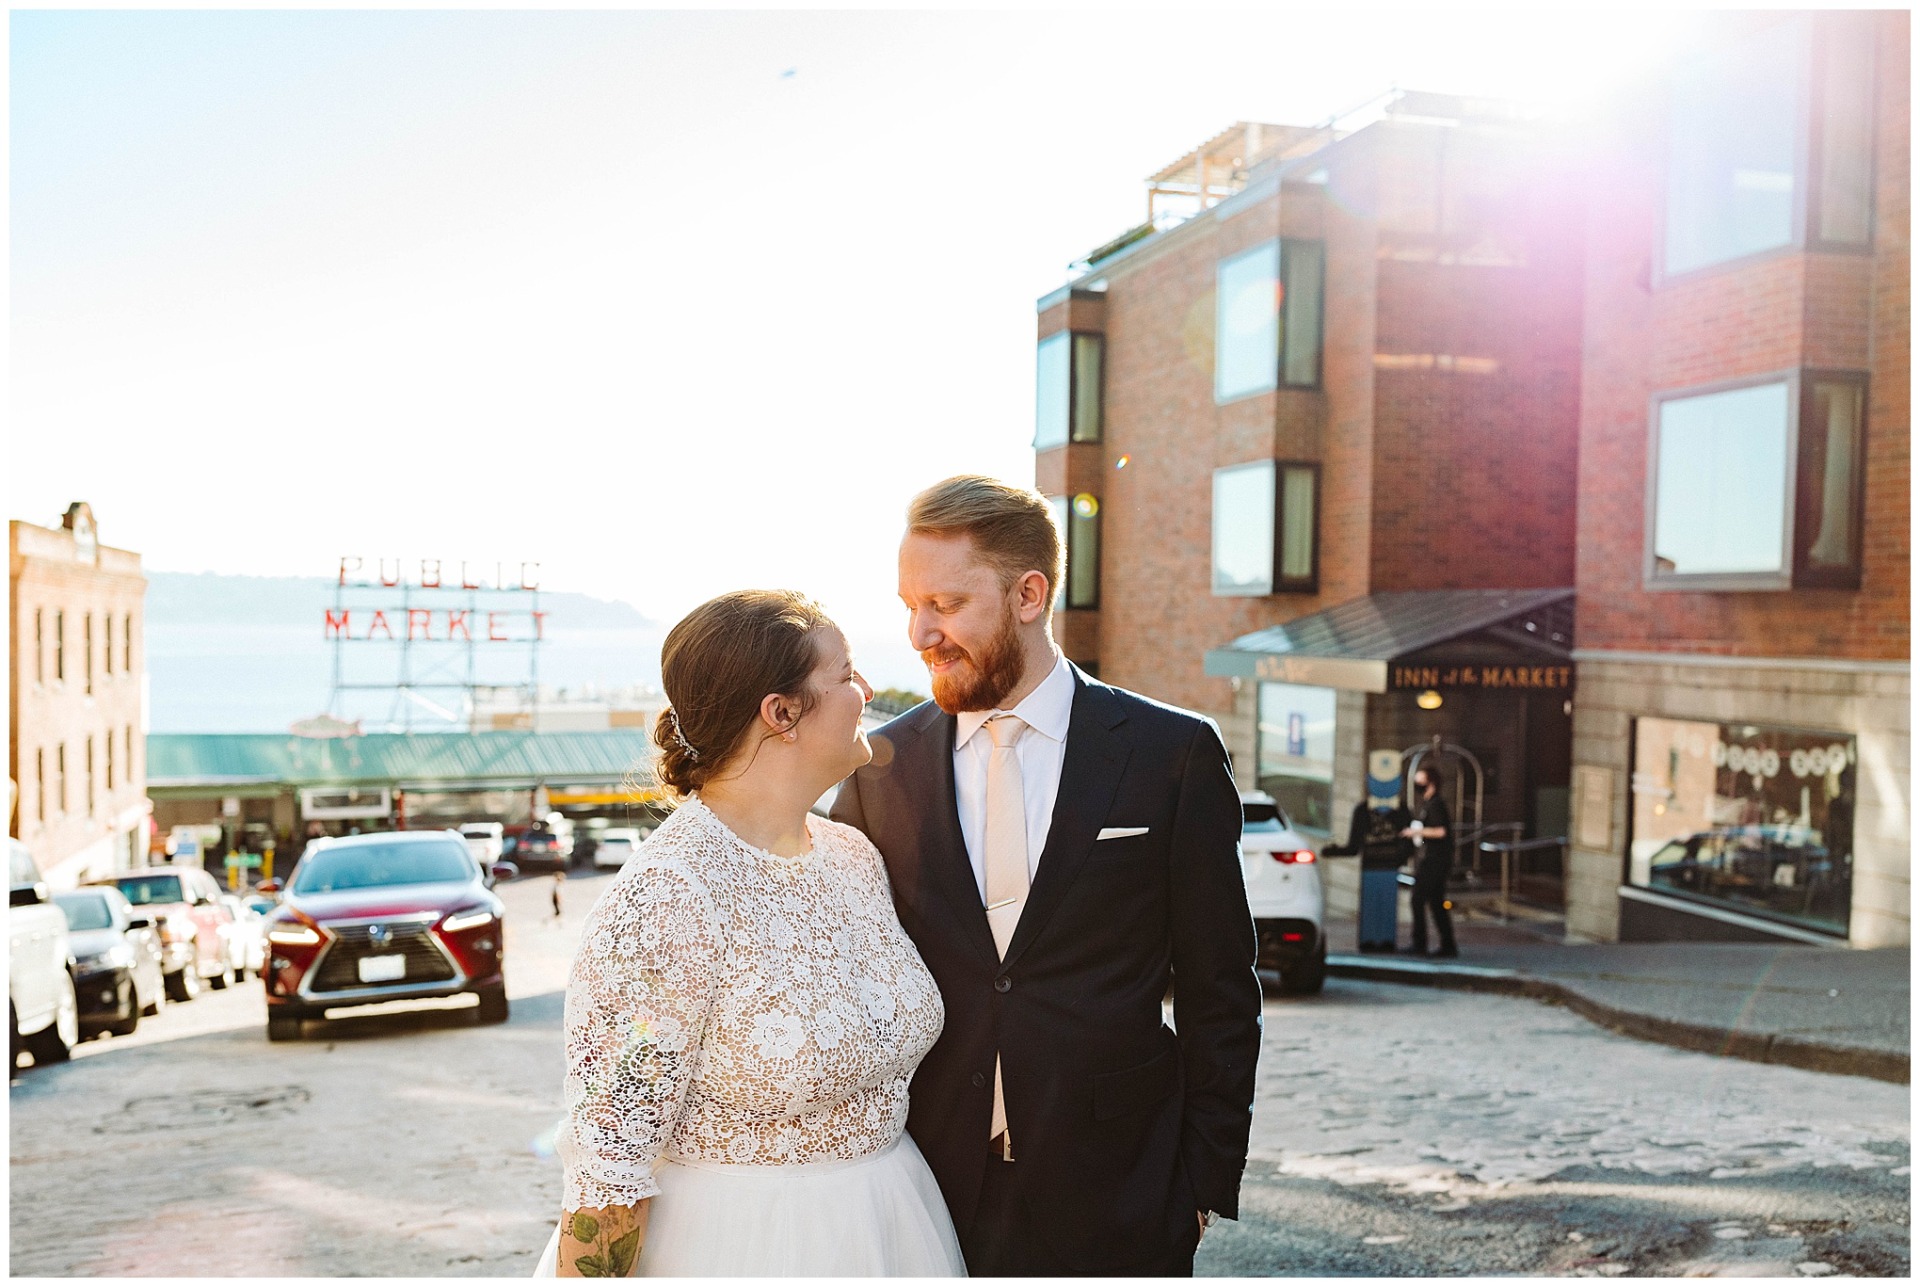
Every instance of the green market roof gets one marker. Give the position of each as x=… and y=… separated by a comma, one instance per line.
x=420, y=761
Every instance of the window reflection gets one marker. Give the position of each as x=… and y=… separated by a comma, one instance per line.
x=1846, y=131
x=1720, y=487
x=1756, y=818
x=1052, y=391
x=1732, y=136
x=1294, y=751
x=1243, y=498
x=1247, y=323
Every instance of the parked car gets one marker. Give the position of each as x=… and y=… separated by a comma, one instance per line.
x=195, y=926
x=543, y=847
x=617, y=844
x=487, y=841
x=399, y=916
x=249, y=936
x=116, y=960
x=1284, y=892
x=43, y=1010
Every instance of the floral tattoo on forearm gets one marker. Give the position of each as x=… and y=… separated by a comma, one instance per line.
x=612, y=1252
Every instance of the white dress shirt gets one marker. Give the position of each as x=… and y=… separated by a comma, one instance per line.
x=1041, y=750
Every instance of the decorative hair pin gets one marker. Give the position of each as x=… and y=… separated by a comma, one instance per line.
x=680, y=736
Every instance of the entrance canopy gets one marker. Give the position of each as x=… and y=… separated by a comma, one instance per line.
x=187, y=763
x=1497, y=639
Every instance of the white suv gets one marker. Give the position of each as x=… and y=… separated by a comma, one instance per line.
x=43, y=1010
x=1284, y=892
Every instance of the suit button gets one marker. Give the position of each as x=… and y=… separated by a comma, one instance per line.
x=1003, y=984
x=979, y=1080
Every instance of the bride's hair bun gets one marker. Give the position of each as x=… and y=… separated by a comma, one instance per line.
x=717, y=665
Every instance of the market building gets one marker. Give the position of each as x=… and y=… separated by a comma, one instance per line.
x=1741, y=753
x=1313, y=448
x=76, y=727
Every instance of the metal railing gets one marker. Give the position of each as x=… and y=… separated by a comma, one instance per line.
x=1509, y=852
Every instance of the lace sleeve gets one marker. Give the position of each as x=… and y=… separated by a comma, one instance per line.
x=639, y=994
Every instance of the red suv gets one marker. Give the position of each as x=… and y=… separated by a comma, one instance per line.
x=396, y=916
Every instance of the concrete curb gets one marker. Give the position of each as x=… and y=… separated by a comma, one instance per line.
x=1759, y=1047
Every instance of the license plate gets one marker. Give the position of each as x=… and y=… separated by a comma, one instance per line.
x=382, y=969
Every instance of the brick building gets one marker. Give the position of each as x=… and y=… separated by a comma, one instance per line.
x=1314, y=449
x=1740, y=731
x=76, y=736
x=1346, y=454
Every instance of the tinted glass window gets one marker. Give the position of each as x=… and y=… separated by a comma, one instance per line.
x=365, y=866
x=144, y=890
x=85, y=911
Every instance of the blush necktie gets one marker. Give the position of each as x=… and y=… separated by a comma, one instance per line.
x=1006, y=858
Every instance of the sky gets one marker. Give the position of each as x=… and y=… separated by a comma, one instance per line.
x=670, y=302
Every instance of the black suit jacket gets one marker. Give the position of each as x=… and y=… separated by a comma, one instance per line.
x=1123, y=1127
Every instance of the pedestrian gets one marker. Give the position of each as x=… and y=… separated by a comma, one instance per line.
x=558, y=877
x=1432, y=835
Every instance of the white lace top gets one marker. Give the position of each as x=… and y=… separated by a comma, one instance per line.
x=730, y=1005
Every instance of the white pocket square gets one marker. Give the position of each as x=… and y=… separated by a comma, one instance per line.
x=1118, y=833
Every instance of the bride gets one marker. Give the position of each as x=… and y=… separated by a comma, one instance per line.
x=745, y=1011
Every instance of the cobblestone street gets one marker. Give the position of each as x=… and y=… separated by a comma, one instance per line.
x=1398, y=1131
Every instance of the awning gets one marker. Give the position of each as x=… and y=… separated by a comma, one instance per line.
x=1436, y=637
x=182, y=763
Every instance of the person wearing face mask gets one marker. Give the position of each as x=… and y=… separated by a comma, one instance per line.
x=1432, y=835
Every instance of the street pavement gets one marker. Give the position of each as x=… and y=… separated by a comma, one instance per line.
x=1398, y=1131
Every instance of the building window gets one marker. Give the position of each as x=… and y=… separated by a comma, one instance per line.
x=1753, y=818
x=1843, y=143
x=39, y=646
x=1078, y=521
x=1724, y=462
x=1732, y=137
x=1067, y=406
x=107, y=743
x=132, y=773
x=89, y=777
x=107, y=652
x=86, y=644
x=60, y=780
x=1266, y=518
x=1267, y=319
x=126, y=644
x=59, y=645
x=40, y=785
x=1294, y=752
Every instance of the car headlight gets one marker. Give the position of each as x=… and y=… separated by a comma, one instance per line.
x=468, y=918
x=117, y=957
x=293, y=932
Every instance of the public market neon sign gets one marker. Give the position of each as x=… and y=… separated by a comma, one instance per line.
x=403, y=621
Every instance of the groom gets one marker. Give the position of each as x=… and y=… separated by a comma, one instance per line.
x=1061, y=852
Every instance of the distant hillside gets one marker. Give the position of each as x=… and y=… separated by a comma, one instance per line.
x=210, y=598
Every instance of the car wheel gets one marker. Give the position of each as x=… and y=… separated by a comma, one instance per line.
x=54, y=1044
x=282, y=1027
x=14, y=1042
x=157, y=999
x=130, y=1002
x=1306, y=978
x=218, y=982
x=184, y=983
x=493, y=1004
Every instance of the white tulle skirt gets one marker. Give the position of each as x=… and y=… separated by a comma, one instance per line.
x=876, y=1216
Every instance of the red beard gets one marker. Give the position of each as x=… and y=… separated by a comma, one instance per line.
x=982, y=683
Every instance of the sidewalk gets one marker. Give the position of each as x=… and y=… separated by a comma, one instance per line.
x=1833, y=1010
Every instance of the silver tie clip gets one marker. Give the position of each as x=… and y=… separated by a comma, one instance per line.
x=1005, y=902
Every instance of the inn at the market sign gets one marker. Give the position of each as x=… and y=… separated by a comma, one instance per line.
x=1490, y=677
x=428, y=606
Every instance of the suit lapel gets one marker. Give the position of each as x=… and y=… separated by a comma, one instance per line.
x=1089, y=776
x=945, y=866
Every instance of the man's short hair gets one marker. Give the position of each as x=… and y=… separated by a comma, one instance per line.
x=1012, y=527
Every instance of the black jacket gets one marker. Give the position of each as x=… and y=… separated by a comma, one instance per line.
x=1123, y=1128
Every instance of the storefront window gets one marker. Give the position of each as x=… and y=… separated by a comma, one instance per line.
x=1732, y=138
x=1294, y=752
x=1754, y=818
